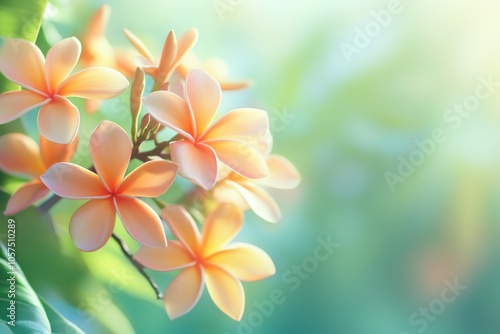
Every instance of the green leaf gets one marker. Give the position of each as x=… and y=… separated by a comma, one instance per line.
x=19, y=19
x=29, y=315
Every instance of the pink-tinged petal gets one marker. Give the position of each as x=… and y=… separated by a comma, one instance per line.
x=60, y=61
x=203, y=94
x=137, y=43
x=171, y=111
x=259, y=201
x=224, y=192
x=59, y=120
x=17, y=103
x=246, y=125
x=140, y=221
x=183, y=227
x=20, y=155
x=185, y=43
x=246, y=262
x=220, y=227
x=167, y=57
x=74, y=182
x=25, y=196
x=92, y=224
x=110, y=150
x=174, y=256
x=53, y=153
x=282, y=174
x=265, y=144
x=150, y=179
x=197, y=162
x=241, y=157
x=225, y=290
x=184, y=292
x=22, y=62
x=96, y=83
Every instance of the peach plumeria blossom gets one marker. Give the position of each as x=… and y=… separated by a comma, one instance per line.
x=206, y=259
x=97, y=51
x=215, y=67
x=248, y=193
x=22, y=156
x=229, y=140
x=172, y=54
x=109, y=192
x=48, y=82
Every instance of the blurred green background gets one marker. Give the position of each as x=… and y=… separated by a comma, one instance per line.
x=344, y=122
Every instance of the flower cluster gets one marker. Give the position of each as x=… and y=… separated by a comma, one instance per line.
x=227, y=159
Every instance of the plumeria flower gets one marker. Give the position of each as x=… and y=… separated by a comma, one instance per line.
x=109, y=192
x=172, y=54
x=48, y=83
x=22, y=156
x=206, y=259
x=230, y=139
x=217, y=68
x=97, y=51
x=248, y=193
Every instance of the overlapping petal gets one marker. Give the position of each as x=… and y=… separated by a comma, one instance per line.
x=140, y=221
x=171, y=111
x=282, y=174
x=26, y=196
x=110, y=150
x=220, y=227
x=150, y=179
x=92, y=224
x=60, y=61
x=197, y=162
x=174, y=256
x=52, y=153
x=74, y=182
x=20, y=155
x=183, y=292
x=23, y=63
x=225, y=290
x=246, y=262
x=183, y=227
x=17, y=103
x=59, y=120
x=97, y=83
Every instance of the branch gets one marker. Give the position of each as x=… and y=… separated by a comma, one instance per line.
x=126, y=251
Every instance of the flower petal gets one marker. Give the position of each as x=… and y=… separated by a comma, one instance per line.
x=185, y=43
x=167, y=57
x=74, y=182
x=25, y=196
x=20, y=155
x=150, y=179
x=183, y=227
x=282, y=174
x=246, y=262
x=241, y=157
x=17, y=103
x=110, y=150
x=59, y=120
x=224, y=192
x=259, y=201
x=246, y=125
x=183, y=292
x=225, y=290
x=140, y=221
x=92, y=224
x=171, y=111
x=97, y=83
x=174, y=256
x=220, y=227
x=53, y=153
x=203, y=95
x=197, y=162
x=22, y=62
x=137, y=43
x=60, y=61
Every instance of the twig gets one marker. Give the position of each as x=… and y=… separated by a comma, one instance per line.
x=126, y=251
